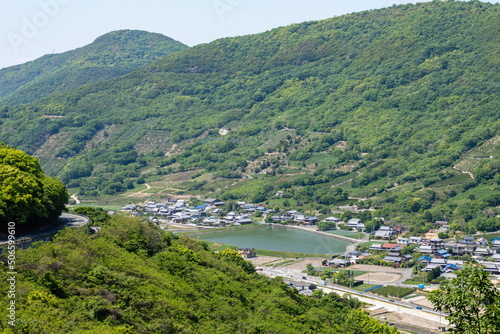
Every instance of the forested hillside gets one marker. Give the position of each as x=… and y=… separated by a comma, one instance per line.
x=134, y=278
x=397, y=107
x=109, y=56
x=27, y=197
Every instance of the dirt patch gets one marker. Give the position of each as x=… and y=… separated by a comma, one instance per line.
x=379, y=277
x=412, y=320
x=298, y=265
x=369, y=267
x=420, y=300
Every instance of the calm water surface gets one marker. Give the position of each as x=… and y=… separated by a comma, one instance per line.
x=279, y=239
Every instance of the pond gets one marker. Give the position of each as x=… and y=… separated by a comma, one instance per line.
x=279, y=239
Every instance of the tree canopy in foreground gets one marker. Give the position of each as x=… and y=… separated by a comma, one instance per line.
x=27, y=196
x=471, y=300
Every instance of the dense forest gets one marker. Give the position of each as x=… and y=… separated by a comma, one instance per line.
x=28, y=197
x=134, y=278
x=397, y=107
x=109, y=56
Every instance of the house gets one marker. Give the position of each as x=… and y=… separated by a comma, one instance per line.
x=355, y=224
x=350, y=208
x=311, y=221
x=436, y=243
x=402, y=241
x=243, y=221
x=415, y=240
x=332, y=219
x=376, y=247
x=391, y=253
x=441, y=254
x=277, y=218
x=455, y=247
x=246, y=252
x=482, y=242
x=385, y=232
x=392, y=247
x=441, y=262
x=425, y=259
x=338, y=263
x=450, y=268
x=210, y=201
x=211, y=221
x=468, y=241
x=129, y=207
x=424, y=249
x=492, y=267
x=470, y=248
x=351, y=254
x=482, y=252
x=299, y=218
x=395, y=260
x=442, y=226
x=408, y=257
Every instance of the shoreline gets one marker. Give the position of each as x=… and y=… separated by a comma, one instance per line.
x=351, y=246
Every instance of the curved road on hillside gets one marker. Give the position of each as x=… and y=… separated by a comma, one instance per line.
x=65, y=220
x=71, y=220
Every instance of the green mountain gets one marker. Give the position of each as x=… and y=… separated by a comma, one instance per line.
x=109, y=56
x=134, y=278
x=396, y=107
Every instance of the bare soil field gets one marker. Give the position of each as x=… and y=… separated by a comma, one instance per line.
x=369, y=267
x=298, y=264
x=379, y=277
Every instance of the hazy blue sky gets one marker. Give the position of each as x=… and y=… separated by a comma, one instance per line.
x=32, y=28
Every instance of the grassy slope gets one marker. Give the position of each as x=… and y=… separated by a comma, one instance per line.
x=132, y=278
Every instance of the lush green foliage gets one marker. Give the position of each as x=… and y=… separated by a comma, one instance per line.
x=109, y=56
x=394, y=291
x=134, y=278
x=97, y=216
x=471, y=301
x=392, y=106
x=27, y=196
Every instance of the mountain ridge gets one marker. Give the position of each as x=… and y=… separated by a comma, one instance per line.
x=108, y=56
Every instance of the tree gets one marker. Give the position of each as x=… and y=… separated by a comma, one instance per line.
x=471, y=301
x=324, y=226
x=97, y=216
x=433, y=274
x=27, y=196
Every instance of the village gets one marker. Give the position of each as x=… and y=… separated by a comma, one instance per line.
x=385, y=246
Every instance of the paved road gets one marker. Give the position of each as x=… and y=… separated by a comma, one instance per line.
x=396, y=306
x=71, y=220
x=65, y=220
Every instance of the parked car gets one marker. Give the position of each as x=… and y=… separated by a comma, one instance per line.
x=418, y=307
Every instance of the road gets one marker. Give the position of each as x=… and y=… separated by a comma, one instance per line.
x=378, y=301
x=71, y=220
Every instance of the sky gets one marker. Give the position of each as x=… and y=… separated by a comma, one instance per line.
x=30, y=29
